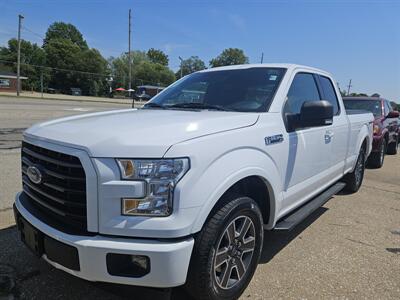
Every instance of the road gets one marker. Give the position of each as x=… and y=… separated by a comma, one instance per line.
x=348, y=249
x=18, y=114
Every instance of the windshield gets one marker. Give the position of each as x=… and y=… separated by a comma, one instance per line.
x=244, y=90
x=373, y=106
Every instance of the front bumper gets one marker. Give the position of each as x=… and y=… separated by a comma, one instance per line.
x=169, y=260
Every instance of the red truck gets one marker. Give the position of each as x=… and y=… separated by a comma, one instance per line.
x=386, y=126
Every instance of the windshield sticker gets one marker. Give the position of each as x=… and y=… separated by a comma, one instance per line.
x=273, y=77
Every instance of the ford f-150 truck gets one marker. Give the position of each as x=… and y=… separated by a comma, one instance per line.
x=181, y=191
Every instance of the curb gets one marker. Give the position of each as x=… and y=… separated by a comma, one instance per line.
x=77, y=100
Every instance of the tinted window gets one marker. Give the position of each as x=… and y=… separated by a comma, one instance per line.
x=373, y=106
x=303, y=89
x=388, y=108
x=329, y=93
x=247, y=90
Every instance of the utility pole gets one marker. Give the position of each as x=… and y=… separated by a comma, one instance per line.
x=129, y=55
x=348, y=88
x=180, y=58
x=20, y=17
x=41, y=81
x=262, y=57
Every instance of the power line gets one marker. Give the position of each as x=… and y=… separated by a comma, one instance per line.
x=35, y=33
x=71, y=71
x=43, y=38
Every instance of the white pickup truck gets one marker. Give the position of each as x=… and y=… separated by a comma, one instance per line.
x=181, y=191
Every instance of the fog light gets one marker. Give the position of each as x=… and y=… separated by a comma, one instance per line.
x=127, y=265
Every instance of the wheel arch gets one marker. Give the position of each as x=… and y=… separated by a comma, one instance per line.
x=257, y=181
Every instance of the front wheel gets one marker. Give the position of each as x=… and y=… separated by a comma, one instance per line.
x=354, y=179
x=226, y=251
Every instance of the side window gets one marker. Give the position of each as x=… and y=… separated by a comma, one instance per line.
x=303, y=89
x=388, y=107
x=329, y=93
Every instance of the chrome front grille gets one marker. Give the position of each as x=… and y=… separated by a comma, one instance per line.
x=60, y=196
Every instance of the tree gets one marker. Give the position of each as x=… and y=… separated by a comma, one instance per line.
x=358, y=95
x=190, y=65
x=32, y=57
x=144, y=71
x=65, y=31
x=152, y=73
x=119, y=67
x=63, y=55
x=395, y=106
x=94, y=63
x=228, y=57
x=72, y=61
x=157, y=56
x=375, y=95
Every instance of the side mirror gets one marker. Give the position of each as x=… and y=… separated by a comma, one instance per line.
x=315, y=113
x=393, y=114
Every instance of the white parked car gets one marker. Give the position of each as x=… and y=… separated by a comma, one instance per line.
x=181, y=191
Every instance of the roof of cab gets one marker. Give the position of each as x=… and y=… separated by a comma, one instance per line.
x=290, y=67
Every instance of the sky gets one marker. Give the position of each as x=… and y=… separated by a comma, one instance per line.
x=353, y=39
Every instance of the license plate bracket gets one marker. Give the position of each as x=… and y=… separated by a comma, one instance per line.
x=31, y=237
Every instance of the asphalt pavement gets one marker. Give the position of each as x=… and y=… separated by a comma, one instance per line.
x=348, y=249
x=16, y=114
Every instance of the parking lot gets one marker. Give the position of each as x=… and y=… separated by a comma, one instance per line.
x=348, y=249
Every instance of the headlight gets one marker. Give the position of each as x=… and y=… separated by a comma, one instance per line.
x=160, y=176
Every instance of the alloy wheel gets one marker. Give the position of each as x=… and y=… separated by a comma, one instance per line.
x=360, y=168
x=382, y=153
x=234, y=252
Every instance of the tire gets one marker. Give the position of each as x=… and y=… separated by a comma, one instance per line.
x=393, y=147
x=354, y=179
x=207, y=268
x=376, y=159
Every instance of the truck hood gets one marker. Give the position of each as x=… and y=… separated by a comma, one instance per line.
x=137, y=133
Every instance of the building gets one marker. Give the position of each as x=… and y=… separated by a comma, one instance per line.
x=8, y=81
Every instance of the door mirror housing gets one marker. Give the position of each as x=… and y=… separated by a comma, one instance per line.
x=312, y=114
x=393, y=114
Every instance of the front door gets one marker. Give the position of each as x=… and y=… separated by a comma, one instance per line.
x=309, y=150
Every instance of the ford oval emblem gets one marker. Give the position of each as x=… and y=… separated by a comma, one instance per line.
x=34, y=174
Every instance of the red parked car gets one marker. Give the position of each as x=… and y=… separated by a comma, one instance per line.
x=386, y=126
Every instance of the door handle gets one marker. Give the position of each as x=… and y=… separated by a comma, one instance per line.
x=328, y=136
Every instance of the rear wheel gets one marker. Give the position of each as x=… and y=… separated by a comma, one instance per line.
x=354, y=179
x=226, y=251
x=393, y=147
x=376, y=159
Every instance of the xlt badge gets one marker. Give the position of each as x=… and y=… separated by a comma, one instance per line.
x=274, y=139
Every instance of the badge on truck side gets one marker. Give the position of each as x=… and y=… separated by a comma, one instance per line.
x=274, y=139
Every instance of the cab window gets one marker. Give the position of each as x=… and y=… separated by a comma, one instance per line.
x=329, y=93
x=303, y=89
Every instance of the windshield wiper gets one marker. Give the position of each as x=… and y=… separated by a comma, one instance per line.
x=153, y=105
x=198, y=106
